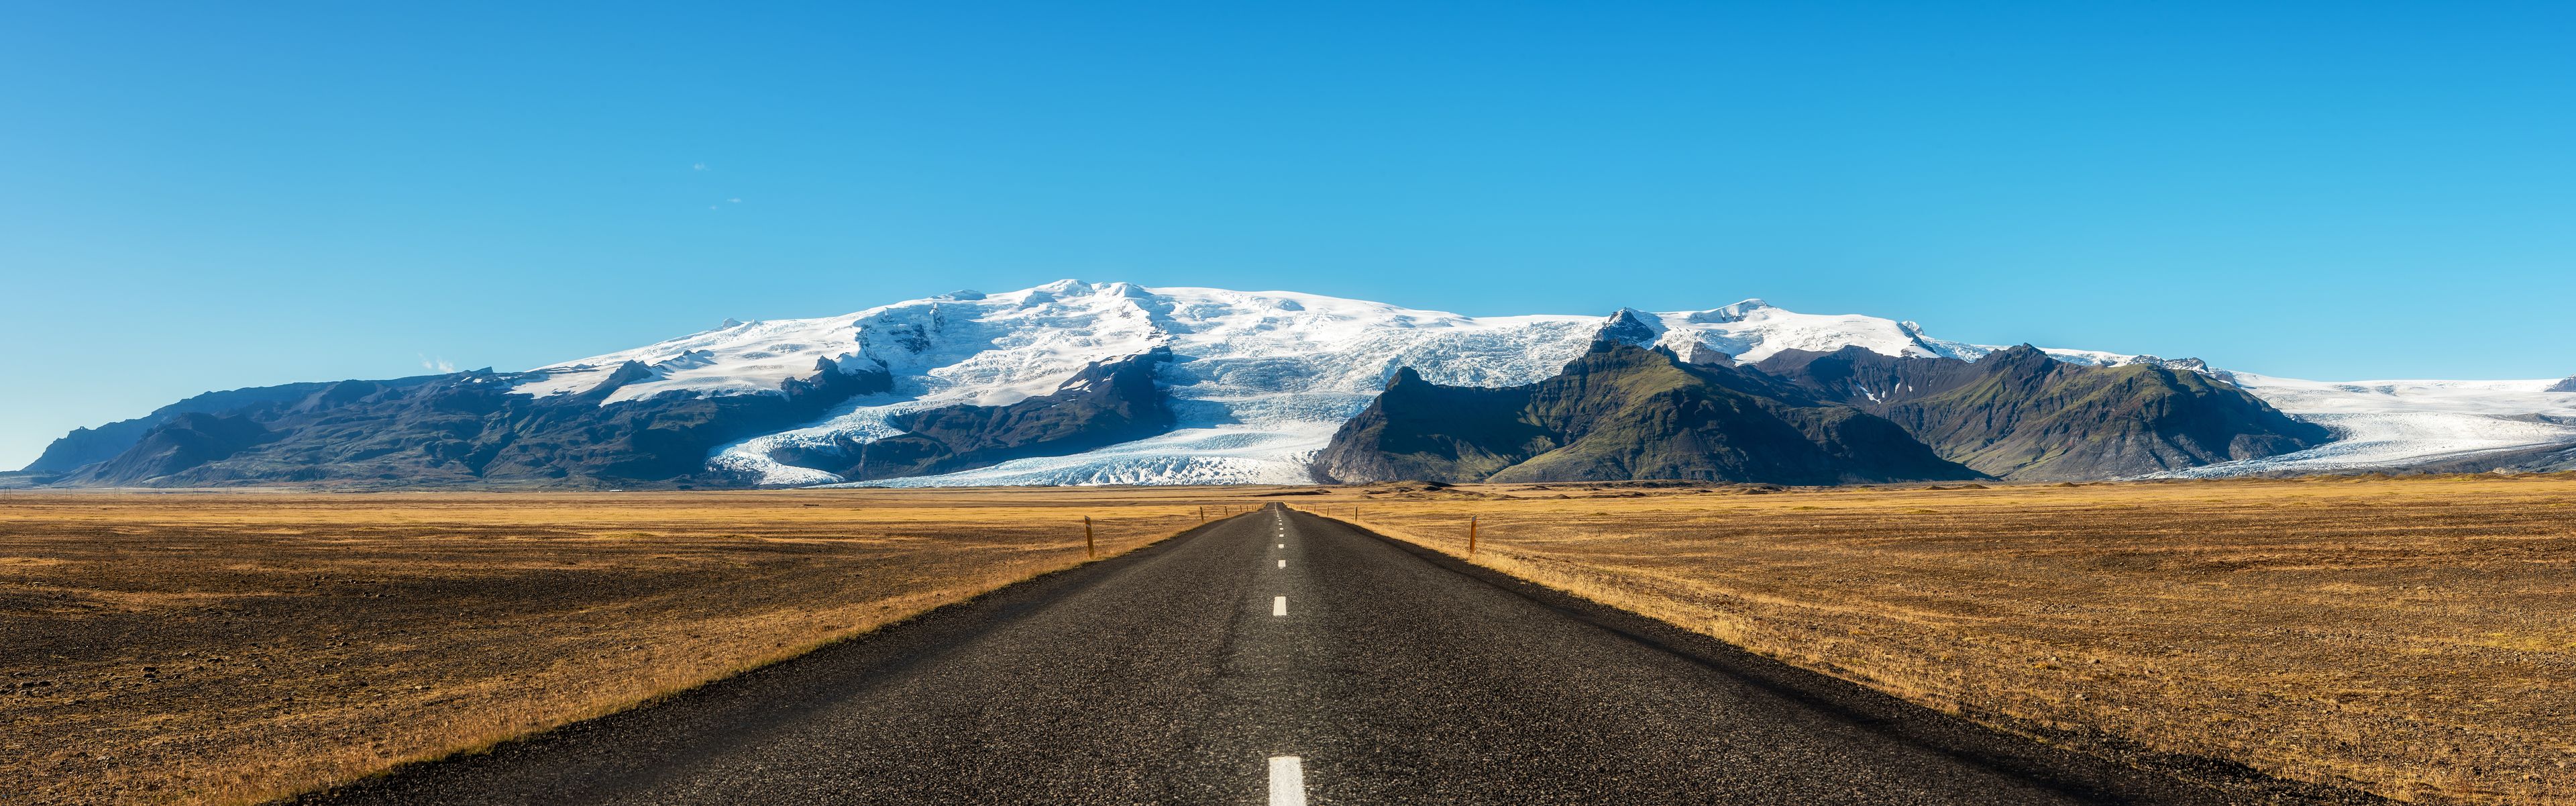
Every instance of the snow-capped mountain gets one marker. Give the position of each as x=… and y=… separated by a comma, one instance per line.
x=1202, y=386
x=1258, y=383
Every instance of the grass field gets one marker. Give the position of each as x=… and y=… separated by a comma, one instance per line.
x=228, y=647
x=2411, y=637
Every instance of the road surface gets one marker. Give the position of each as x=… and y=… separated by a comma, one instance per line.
x=1274, y=657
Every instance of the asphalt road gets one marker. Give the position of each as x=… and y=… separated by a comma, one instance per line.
x=1171, y=675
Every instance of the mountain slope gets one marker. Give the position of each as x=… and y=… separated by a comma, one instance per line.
x=2018, y=414
x=1105, y=404
x=184, y=441
x=464, y=428
x=1256, y=384
x=2412, y=425
x=1623, y=412
x=84, y=446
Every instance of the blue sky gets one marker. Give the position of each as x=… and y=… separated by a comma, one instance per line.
x=199, y=196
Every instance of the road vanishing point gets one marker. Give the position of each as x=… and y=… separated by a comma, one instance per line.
x=1275, y=657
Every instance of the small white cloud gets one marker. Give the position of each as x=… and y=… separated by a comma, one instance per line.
x=698, y=167
x=735, y=201
x=438, y=365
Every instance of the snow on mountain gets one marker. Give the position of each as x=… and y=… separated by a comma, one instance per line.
x=1753, y=330
x=2394, y=424
x=1259, y=380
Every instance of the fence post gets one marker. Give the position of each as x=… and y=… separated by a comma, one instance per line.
x=1471, y=535
x=1090, y=550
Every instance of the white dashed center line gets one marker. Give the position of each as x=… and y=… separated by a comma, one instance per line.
x=1283, y=563
x=1287, y=781
x=1278, y=605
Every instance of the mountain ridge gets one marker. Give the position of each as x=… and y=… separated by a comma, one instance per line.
x=1623, y=412
x=2016, y=414
x=1257, y=384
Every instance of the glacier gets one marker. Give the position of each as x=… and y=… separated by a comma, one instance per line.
x=2382, y=425
x=1260, y=380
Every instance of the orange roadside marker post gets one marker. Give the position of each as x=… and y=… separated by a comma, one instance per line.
x=1471, y=535
x=1090, y=550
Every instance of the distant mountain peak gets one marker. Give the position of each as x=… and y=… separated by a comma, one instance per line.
x=1730, y=313
x=1403, y=376
x=1624, y=412
x=2019, y=353
x=2019, y=414
x=1256, y=382
x=1629, y=326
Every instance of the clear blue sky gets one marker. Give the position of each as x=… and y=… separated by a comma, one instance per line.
x=199, y=196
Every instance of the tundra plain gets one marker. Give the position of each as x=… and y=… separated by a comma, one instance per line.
x=2407, y=637
x=237, y=647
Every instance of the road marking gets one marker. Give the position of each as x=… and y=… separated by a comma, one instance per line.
x=1283, y=563
x=1283, y=545
x=1287, y=781
x=1278, y=605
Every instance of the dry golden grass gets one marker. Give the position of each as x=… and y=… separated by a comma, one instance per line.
x=2412, y=637
x=231, y=647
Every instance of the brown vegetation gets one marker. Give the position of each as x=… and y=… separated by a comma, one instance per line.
x=228, y=647
x=2409, y=637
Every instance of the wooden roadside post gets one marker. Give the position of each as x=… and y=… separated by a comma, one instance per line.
x=1090, y=550
x=1471, y=535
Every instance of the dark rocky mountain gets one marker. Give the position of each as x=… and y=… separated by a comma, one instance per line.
x=1656, y=396
x=2018, y=414
x=182, y=442
x=1104, y=404
x=84, y=446
x=468, y=427
x=464, y=427
x=1624, y=412
x=1629, y=326
x=2568, y=385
